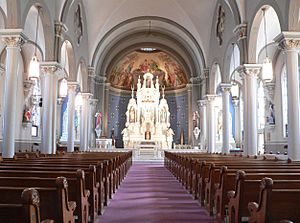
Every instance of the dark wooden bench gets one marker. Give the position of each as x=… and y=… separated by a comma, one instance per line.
x=247, y=188
x=76, y=185
x=275, y=205
x=54, y=202
x=27, y=212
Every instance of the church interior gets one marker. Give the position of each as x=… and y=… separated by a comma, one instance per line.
x=149, y=111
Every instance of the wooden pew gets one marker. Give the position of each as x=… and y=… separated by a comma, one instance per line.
x=247, y=188
x=76, y=185
x=54, y=203
x=86, y=181
x=27, y=212
x=228, y=177
x=275, y=205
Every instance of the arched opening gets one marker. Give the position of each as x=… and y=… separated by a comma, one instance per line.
x=236, y=102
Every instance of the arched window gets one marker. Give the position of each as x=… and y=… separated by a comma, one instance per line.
x=284, y=101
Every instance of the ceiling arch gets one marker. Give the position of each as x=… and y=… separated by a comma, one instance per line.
x=149, y=31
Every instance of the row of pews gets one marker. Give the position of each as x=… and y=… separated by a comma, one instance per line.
x=61, y=188
x=240, y=189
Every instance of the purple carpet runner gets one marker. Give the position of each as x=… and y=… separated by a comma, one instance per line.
x=150, y=194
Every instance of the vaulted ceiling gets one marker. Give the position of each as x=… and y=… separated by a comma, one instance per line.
x=195, y=16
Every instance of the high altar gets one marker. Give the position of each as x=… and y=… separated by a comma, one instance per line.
x=148, y=117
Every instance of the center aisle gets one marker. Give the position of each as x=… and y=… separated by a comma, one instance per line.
x=150, y=194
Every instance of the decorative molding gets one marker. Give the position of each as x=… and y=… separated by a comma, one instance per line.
x=13, y=37
x=51, y=67
x=288, y=40
x=249, y=70
x=225, y=87
x=210, y=97
x=72, y=86
x=241, y=31
x=60, y=29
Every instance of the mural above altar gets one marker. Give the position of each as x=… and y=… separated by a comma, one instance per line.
x=148, y=117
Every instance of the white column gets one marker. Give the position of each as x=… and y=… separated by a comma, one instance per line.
x=71, y=114
x=237, y=122
x=225, y=87
x=211, y=125
x=13, y=40
x=85, y=111
x=49, y=94
x=290, y=42
x=250, y=72
x=92, y=134
x=203, y=122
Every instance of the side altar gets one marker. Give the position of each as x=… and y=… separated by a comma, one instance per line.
x=148, y=118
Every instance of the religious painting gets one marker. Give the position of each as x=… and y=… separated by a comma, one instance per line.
x=125, y=73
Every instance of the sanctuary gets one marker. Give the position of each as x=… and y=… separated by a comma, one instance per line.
x=148, y=117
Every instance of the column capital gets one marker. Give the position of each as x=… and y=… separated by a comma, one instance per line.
x=100, y=79
x=201, y=103
x=60, y=29
x=72, y=85
x=13, y=37
x=195, y=80
x=86, y=95
x=241, y=31
x=205, y=72
x=51, y=67
x=93, y=101
x=288, y=40
x=210, y=97
x=225, y=87
x=91, y=72
x=252, y=70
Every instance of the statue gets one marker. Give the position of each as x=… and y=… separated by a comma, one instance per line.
x=98, y=124
x=26, y=115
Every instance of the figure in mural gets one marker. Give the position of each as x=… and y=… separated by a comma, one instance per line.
x=144, y=66
x=98, y=124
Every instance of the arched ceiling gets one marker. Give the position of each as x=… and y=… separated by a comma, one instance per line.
x=194, y=15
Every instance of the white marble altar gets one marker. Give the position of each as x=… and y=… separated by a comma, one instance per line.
x=148, y=117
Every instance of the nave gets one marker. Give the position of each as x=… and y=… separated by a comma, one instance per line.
x=150, y=194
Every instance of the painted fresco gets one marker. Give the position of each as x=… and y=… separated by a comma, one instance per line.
x=126, y=72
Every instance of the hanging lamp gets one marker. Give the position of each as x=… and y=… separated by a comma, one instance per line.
x=34, y=65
